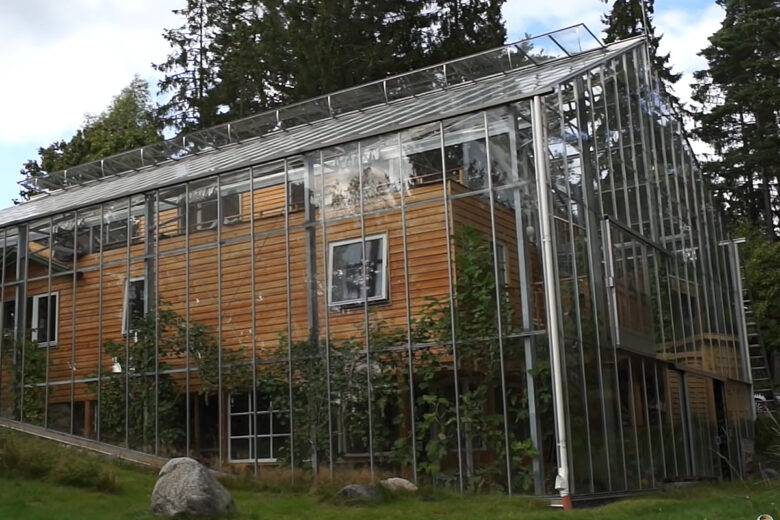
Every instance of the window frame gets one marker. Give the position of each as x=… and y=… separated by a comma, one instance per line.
x=200, y=212
x=384, y=296
x=252, y=436
x=34, y=318
x=125, y=304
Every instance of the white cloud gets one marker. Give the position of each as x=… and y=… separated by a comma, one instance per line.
x=64, y=59
x=532, y=17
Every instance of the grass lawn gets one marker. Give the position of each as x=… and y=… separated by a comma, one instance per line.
x=47, y=497
x=38, y=499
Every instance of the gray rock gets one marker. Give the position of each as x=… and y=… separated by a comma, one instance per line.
x=398, y=484
x=186, y=487
x=360, y=492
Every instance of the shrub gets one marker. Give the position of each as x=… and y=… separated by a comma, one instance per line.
x=34, y=459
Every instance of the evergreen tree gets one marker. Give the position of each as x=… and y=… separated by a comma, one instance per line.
x=740, y=93
x=465, y=27
x=130, y=121
x=189, y=72
x=335, y=44
x=629, y=18
x=232, y=58
x=249, y=57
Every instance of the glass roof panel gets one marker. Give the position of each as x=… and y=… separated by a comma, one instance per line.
x=253, y=126
x=542, y=49
x=529, y=52
x=416, y=83
x=122, y=162
x=478, y=66
x=303, y=113
x=576, y=40
x=358, y=98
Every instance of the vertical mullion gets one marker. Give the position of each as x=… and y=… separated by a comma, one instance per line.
x=498, y=292
x=288, y=289
x=98, y=418
x=253, y=305
x=325, y=255
x=73, y=325
x=583, y=207
x=646, y=407
x=220, y=394
x=448, y=232
x=367, y=326
x=49, y=317
x=156, y=306
x=656, y=368
x=187, y=318
x=128, y=242
x=407, y=304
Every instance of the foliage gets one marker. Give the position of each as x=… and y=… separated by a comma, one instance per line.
x=128, y=122
x=740, y=93
x=27, y=378
x=760, y=257
x=232, y=58
x=35, y=459
x=188, y=69
x=465, y=27
x=142, y=362
x=367, y=382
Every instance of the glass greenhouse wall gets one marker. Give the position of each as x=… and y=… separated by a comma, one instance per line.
x=405, y=303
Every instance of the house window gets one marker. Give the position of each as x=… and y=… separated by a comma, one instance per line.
x=203, y=213
x=257, y=430
x=112, y=235
x=353, y=280
x=43, y=325
x=133, y=310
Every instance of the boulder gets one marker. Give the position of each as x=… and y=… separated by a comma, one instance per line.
x=398, y=484
x=360, y=492
x=186, y=487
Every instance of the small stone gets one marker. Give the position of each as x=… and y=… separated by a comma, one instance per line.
x=396, y=484
x=360, y=492
x=186, y=487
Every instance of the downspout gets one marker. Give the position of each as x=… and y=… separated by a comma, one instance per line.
x=548, y=263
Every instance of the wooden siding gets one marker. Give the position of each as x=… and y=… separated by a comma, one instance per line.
x=210, y=271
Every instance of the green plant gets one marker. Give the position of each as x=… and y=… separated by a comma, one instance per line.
x=140, y=398
x=24, y=381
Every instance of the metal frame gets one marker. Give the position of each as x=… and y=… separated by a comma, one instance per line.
x=643, y=159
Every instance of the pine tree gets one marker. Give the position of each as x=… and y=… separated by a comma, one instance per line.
x=629, y=18
x=130, y=121
x=740, y=93
x=336, y=44
x=466, y=27
x=249, y=57
x=189, y=73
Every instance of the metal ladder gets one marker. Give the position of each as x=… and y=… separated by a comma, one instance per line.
x=759, y=364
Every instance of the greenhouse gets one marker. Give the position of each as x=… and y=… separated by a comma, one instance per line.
x=503, y=272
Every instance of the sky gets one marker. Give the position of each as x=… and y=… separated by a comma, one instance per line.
x=63, y=60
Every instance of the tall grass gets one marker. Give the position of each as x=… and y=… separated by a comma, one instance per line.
x=26, y=457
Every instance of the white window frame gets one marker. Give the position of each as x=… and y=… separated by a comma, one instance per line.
x=125, y=306
x=385, y=270
x=55, y=310
x=252, y=436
